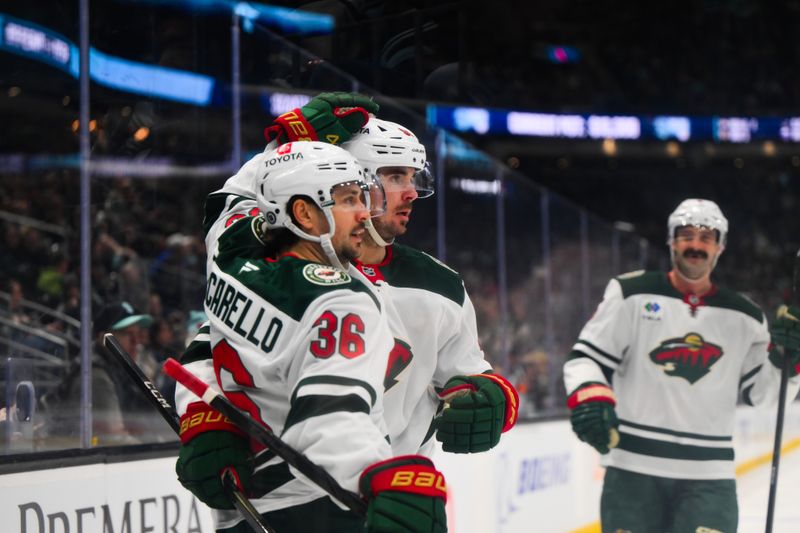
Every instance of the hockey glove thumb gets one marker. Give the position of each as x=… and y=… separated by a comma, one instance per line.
x=785, y=332
x=593, y=417
x=210, y=444
x=478, y=409
x=404, y=494
x=328, y=117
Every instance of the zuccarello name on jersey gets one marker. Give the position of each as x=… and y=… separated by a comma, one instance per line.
x=225, y=304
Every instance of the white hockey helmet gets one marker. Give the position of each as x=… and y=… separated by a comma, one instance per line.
x=701, y=213
x=317, y=171
x=381, y=144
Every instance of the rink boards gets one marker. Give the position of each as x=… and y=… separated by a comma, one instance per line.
x=540, y=478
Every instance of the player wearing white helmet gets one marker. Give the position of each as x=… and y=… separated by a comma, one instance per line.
x=300, y=340
x=432, y=318
x=436, y=355
x=653, y=382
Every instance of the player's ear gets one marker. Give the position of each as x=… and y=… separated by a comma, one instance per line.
x=306, y=215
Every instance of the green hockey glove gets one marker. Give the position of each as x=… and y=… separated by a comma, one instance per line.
x=785, y=333
x=328, y=117
x=478, y=409
x=404, y=495
x=593, y=417
x=210, y=444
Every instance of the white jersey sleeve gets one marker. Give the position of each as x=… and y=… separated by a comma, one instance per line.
x=602, y=343
x=459, y=350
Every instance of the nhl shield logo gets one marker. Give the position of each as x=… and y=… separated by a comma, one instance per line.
x=325, y=275
x=690, y=357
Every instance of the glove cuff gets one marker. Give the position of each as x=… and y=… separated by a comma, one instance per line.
x=462, y=384
x=295, y=127
x=413, y=474
x=591, y=392
x=200, y=417
x=512, y=398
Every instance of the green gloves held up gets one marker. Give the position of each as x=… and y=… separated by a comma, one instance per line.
x=404, y=495
x=328, y=117
x=478, y=409
x=211, y=444
x=593, y=417
x=785, y=332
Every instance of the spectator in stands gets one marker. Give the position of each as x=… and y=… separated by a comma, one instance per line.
x=120, y=411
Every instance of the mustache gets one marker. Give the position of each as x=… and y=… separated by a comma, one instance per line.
x=691, y=252
x=406, y=207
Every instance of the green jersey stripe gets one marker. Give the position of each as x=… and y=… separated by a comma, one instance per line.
x=307, y=407
x=270, y=478
x=671, y=450
x=607, y=355
x=336, y=380
x=196, y=351
x=749, y=375
x=664, y=431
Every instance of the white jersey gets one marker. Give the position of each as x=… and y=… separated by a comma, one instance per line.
x=303, y=348
x=436, y=338
x=430, y=315
x=679, y=363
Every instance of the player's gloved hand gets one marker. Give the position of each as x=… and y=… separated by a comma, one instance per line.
x=785, y=332
x=328, y=117
x=404, y=494
x=593, y=418
x=478, y=409
x=210, y=444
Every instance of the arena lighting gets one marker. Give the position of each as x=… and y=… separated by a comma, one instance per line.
x=282, y=18
x=473, y=186
x=618, y=127
x=613, y=127
x=678, y=128
x=734, y=129
x=41, y=44
x=471, y=119
x=276, y=103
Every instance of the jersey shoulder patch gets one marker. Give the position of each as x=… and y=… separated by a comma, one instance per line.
x=325, y=275
x=412, y=268
x=643, y=282
x=291, y=284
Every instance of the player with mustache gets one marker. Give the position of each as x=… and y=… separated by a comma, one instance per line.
x=654, y=377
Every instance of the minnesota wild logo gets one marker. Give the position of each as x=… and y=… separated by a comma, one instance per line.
x=399, y=358
x=689, y=357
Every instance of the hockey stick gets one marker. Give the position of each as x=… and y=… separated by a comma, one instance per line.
x=168, y=413
x=776, y=449
x=266, y=437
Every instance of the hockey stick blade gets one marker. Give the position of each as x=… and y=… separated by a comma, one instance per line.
x=168, y=413
x=265, y=436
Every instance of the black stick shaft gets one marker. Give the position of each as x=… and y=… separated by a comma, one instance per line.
x=168, y=412
x=776, y=448
x=141, y=380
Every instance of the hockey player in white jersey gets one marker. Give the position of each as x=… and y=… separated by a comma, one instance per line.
x=301, y=342
x=654, y=377
x=436, y=356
